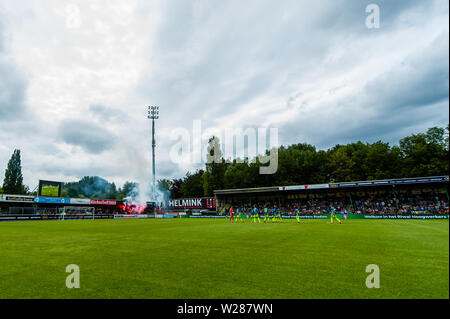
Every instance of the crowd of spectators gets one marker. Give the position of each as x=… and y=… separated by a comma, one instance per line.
x=368, y=203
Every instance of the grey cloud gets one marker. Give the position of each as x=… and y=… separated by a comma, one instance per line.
x=169, y=170
x=219, y=56
x=12, y=86
x=12, y=92
x=388, y=127
x=349, y=16
x=410, y=97
x=60, y=169
x=225, y=54
x=99, y=109
x=105, y=113
x=91, y=137
x=420, y=80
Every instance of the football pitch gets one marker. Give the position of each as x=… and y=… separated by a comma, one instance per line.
x=212, y=258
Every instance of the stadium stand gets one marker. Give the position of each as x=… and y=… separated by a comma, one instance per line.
x=428, y=195
x=375, y=203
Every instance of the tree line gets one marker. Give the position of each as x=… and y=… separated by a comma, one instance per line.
x=423, y=154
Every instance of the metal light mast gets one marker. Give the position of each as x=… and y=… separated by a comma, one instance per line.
x=153, y=114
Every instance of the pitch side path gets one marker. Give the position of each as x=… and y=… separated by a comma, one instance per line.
x=212, y=258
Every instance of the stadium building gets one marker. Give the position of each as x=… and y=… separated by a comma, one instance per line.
x=21, y=207
x=388, y=196
x=350, y=195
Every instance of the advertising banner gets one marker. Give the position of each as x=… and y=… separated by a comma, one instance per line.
x=52, y=200
x=190, y=203
x=185, y=203
x=361, y=216
x=175, y=214
x=103, y=202
x=210, y=216
x=298, y=187
x=5, y=218
x=18, y=198
x=404, y=216
x=130, y=216
x=392, y=182
x=52, y=217
x=80, y=201
x=313, y=216
x=125, y=216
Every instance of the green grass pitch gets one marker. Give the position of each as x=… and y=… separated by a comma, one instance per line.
x=211, y=258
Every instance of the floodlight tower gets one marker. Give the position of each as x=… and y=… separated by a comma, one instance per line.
x=153, y=114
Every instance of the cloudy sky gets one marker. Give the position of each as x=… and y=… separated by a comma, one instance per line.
x=76, y=77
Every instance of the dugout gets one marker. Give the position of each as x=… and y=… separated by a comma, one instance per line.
x=346, y=190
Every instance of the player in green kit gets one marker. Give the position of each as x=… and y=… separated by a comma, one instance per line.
x=239, y=216
x=333, y=215
x=256, y=215
x=276, y=214
x=266, y=214
x=297, y=216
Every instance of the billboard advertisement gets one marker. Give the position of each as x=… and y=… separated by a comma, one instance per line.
x=298, y=187
x=80, y=201
x=49, y=188
x=392, y=182
x=51, y=200
x=183, y=203
x=16, y=198
x=103, y=202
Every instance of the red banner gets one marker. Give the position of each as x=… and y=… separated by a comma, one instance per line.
x=103, y=202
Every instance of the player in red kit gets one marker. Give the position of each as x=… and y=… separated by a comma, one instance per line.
x=231, y=214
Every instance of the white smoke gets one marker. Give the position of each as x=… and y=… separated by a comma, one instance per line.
x=144, y=192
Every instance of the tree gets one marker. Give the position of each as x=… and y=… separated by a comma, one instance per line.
x=446, y=138
x=90, y=187
x=192, y=184
x=112, y=191
x=164, y=184
x=424, y=154
x=213, y=178
x=176, y=188
x=340, y=164
x=13, y=182
x=130, y=190
x=379, y=162
x=237, y=175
